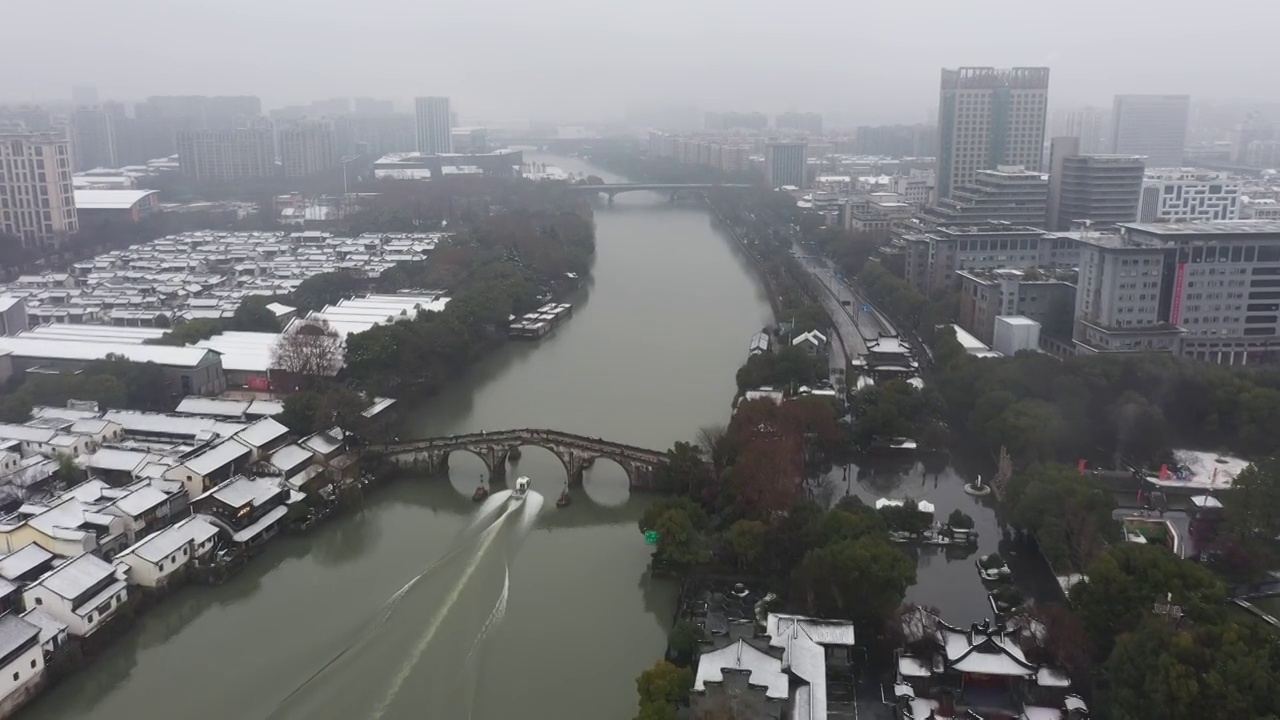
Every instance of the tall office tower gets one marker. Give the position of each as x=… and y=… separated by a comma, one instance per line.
x=84, y=95
x=1097, y=189
x=26, y=117
x=784, y=164
x=803, y=122
x=93, y=138
x=37, y=203
x=200, y=112
x=1153, y=126
x=1090, y=125
x=435, y=125
x=989, y=117
x=307, y=147
x=376, y=135
x=1255, y=128
x=223, y=155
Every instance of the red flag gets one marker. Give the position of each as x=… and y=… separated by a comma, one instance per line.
x=1164, y=472
x=1081, y=465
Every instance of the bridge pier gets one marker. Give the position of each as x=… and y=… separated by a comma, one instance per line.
x=611, y=197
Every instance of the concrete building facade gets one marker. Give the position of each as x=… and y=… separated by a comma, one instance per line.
x=1189, y=195
x=784, y=164
x=1005, y=194
x=223, y=155
x=933, y=256
x=434, y=125
x=308, y=147
x=1153, y=126
x=1094, y=189
x=989, y=117
x=36, y=200
x=988, y=294
x=1207, y=290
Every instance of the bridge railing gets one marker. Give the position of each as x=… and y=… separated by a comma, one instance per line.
x=518, y=435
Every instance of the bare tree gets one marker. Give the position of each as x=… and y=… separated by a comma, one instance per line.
x=307, y=350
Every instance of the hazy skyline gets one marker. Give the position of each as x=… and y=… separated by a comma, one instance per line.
x=578, y=60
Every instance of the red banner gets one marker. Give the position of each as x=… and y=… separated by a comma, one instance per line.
x=1175, y=313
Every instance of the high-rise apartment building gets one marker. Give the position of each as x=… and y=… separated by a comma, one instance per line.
x=1153, y=126
x=1089, y=124
x=376, y=135
x=93, y=138
x=1189, y=195
x=434, y=125
x=307, y=147
x=1097, y=190
x=1210, y=291
x=896, y=141
x=1006, y=194
x=989, y=117
x=784, y=164
x=223, y=155
x=37, y=203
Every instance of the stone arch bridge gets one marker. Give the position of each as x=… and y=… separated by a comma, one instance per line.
x=575, y=452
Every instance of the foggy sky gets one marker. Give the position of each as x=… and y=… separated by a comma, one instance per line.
x=858, y=61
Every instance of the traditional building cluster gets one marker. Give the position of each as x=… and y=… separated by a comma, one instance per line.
x=205, y=274
x=167, y=496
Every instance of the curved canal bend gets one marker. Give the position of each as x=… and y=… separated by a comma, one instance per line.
x=648, y=357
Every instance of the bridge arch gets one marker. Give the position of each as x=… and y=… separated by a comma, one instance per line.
x=607, y=480
x=505, y=458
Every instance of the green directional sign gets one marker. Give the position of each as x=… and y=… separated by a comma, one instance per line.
x=651, y=537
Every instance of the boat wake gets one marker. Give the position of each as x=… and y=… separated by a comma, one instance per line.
x=406, y=663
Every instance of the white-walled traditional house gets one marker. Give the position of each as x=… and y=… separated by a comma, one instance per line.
x=154, y=559
x=85, y=593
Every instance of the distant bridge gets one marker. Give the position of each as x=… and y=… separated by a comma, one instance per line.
x=613, y=189
x=575, y=452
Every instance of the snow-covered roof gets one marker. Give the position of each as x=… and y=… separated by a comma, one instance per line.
x=262, y=433
x=87, y=351
x=109, y=199
x=50, y=626
x=979, y=652
x=76, y=577
x=217, y=407
x=195, y=529
x=765, y=671
x=290, y=457
x=20, y=562
x=138, y=502
x=218, y=456
x=15, y=632
x=240, y=491
x=325, y=441
x=260, y=525
x=803, y=640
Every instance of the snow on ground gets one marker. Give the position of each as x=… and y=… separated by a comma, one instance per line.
x=1069, y=581
x=1207, y=470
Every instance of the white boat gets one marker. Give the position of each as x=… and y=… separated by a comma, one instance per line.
x=520, y=491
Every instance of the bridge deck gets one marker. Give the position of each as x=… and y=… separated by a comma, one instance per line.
x=525, y=436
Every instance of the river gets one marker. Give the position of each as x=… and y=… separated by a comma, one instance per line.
x=647, y=358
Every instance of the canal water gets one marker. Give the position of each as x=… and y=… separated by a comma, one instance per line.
x=550, y=620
